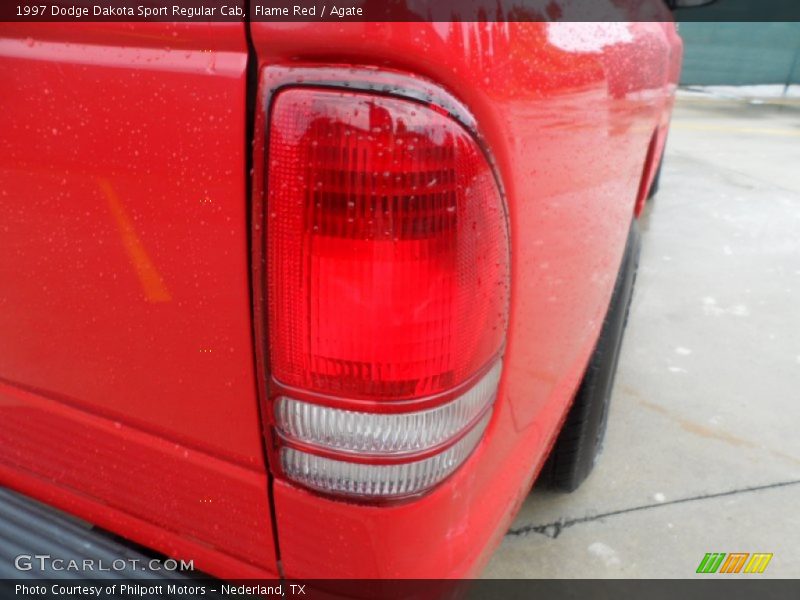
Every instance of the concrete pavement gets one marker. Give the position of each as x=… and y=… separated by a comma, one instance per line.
x=702, y=452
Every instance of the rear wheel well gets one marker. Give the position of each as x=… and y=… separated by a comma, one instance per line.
x=647, y=178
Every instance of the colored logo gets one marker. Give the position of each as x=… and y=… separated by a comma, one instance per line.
x=735, y=562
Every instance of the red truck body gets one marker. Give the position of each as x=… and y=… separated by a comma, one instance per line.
x=131, y=360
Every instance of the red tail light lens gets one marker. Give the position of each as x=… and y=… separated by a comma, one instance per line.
x=387, y=255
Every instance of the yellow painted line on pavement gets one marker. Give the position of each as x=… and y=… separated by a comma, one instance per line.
x=732, y=129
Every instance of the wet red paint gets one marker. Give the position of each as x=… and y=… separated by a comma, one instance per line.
x=124, y=286
x=127, y=361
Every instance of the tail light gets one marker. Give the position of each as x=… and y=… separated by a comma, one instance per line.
x=387, y=291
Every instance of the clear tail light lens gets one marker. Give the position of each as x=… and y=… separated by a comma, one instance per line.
x=379, y=480
x=387, y=288
x=385, y=434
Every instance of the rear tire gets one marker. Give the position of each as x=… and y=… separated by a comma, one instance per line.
x=656, y=179
x=581, y=439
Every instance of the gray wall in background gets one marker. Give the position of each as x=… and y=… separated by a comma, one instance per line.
x=740, y=53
